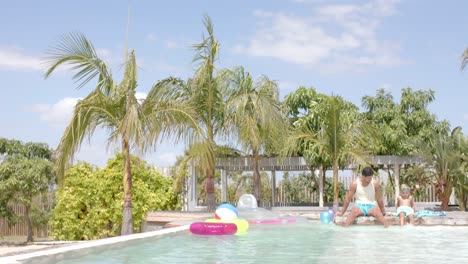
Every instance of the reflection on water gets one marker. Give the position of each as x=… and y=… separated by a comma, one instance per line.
x=299, y=243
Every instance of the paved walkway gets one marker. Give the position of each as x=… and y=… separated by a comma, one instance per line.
x=9, y=249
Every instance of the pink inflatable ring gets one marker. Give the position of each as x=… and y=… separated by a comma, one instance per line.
x=273, y=221
x=208, y=228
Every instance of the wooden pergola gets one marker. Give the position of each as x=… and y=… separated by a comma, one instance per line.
x=282, y=164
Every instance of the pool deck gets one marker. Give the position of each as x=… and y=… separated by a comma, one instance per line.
x=162, y=222
x=453, y=218
x=165, y=219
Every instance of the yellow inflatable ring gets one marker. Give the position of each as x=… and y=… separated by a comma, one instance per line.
x=242, y=224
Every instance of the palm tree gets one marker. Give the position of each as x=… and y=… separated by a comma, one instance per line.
x=304, y=113
x=464, y=59
x=461, y=179
x=343, y=136
x=254, y=111
x=207, y=96
x=114, y=107
x=442, y=161
x=203, y=91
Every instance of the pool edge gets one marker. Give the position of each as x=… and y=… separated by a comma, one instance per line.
x=21, y=258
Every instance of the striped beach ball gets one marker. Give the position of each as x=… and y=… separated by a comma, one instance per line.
x=226, y=212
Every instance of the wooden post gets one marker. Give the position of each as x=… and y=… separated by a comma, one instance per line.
x=192, y=189
x=321, y=177
x=224, y=188
x=396, y=167
x=273, y=187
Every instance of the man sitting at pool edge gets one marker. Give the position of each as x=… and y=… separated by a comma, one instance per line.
x=368, y=194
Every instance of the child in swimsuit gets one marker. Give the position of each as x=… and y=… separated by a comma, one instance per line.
x=405, y=205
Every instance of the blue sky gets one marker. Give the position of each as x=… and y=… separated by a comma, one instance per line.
x=348, y=48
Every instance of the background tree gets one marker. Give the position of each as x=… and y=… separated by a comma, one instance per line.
x=24, y=173
x=195, y=157
x=401, y=124
x=304, y=112
x=204, y=92
x=442, y=161
x=464, y=59
x=343, y=135
x=254, y=112
x=89, y=204
x=240, y=183
x=135, y=124
x=297, y=187
x=460, y=181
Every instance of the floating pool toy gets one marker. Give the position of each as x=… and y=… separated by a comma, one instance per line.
x=207, y=228
x=242, y=224
x=273, y=221
x=248, y=209
x=226, y=212
x=326, y=217
x=247, y=201
x=257, y=214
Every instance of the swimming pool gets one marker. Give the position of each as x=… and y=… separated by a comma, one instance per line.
x=294, y=243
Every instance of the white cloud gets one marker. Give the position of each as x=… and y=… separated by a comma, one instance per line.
x=465, y=117
x=297, y=41
x=285, y=85
x=104, y=54
x=169, y=69
x=140, y=95
x=58, y=114
x=335, y=37
x=338, y=11
x=96, y=151
x=171, y=44
x=13, y=58
x=151, y=37
x=386, y=86
x=307, y=1
x=167, y=159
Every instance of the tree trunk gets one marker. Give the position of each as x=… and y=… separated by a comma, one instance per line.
x=210, y=191
x=127, y=219
x=257, y=179
x=445, y=190
x=321, y=182
x=396, y=169
x=462, y=196
x=210, y=173
x=29, y=223
x=390, y=184
x=462, y=202
x=335, y=185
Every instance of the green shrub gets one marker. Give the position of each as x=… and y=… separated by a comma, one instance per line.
x=90, y=204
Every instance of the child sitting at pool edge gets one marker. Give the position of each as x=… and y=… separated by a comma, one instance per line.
x=405, y=205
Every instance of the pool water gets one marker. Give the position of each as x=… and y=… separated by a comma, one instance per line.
x=297, y=243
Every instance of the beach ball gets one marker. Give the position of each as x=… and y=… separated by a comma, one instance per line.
x=326, y=217
x=332, y=212
x=226, y=212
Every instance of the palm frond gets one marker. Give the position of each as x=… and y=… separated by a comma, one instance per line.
x=76, y=51
x=89, y=113
x=168, y=112
x=464, y=59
